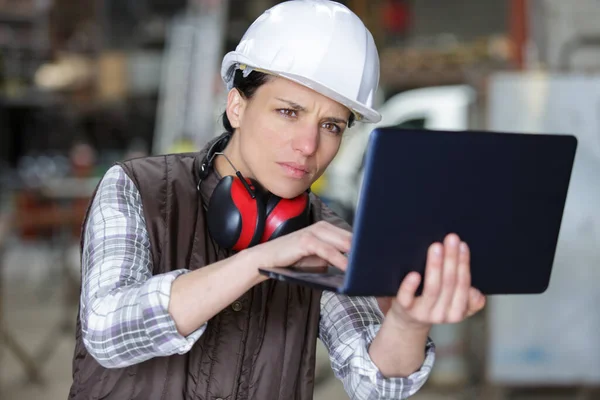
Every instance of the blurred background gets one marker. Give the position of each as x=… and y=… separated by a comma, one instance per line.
x=86, y=83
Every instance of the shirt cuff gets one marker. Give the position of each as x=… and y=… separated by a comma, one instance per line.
x=159, y=324
x=395, y=387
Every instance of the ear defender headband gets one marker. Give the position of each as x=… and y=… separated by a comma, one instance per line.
x=242, y=214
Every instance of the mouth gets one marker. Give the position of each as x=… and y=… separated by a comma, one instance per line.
x=294, y=170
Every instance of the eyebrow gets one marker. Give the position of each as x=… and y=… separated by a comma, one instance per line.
x=298, y=107
x=295, y=106
x=338, y=120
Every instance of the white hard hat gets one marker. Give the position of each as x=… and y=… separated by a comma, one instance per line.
x=320, y=44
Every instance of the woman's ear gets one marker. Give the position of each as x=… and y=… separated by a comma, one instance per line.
x=235, y=107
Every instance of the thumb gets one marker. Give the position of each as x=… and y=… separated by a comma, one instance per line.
x=408, y=289
x=476, y=302
x=311, y=261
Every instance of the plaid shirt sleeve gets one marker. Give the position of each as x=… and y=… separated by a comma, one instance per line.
x=347, y=328
x=124, y=309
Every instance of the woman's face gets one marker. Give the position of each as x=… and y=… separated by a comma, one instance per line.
x=286, y=135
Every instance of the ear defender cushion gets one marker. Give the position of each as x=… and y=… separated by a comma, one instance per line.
x=285, y=216
x=235, y=220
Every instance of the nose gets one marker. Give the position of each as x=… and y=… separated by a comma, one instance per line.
x=306, y=140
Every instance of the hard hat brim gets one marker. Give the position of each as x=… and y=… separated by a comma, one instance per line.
x=365, y=114
x=362, y=113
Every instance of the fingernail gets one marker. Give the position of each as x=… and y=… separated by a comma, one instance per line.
x=453, y=240
x=463, y=247
x=437, y=249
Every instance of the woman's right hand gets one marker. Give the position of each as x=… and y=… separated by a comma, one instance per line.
x=320, y=244
x=317, y=245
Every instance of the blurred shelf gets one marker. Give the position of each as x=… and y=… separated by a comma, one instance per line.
x=402, y=79
x=21, y=18
x=413, y=66
x=31, y=98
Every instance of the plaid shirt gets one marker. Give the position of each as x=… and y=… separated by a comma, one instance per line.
x=124, y=308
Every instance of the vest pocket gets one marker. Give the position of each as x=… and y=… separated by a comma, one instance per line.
x=116, y=384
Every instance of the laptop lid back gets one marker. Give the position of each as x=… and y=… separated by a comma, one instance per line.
x=502, y=193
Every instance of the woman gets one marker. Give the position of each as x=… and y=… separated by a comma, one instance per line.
x=172, y=304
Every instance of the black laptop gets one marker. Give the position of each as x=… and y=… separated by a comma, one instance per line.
x=502, y=193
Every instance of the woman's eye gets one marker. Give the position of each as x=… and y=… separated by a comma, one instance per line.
x=331, y=127
x=287, y=112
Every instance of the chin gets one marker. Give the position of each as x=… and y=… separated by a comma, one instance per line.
x=285, y=190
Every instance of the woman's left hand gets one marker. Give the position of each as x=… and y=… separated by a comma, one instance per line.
x=447, y=295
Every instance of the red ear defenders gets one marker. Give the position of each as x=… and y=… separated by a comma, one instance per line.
x=242, y=214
